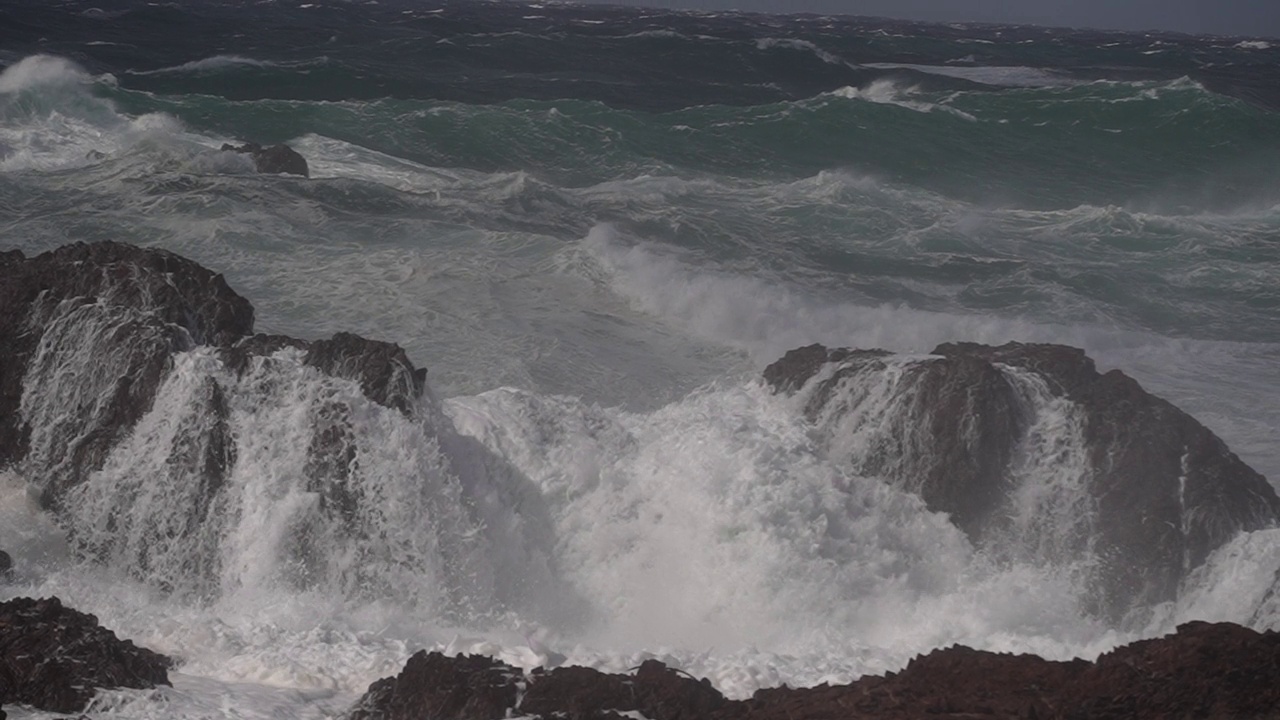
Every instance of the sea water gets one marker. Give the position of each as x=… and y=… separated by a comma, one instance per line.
x=595, y=226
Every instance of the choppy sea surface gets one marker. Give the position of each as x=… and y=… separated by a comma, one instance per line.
x=595, y=226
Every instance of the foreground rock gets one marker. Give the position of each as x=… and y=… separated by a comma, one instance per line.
x=55, y=658
x=1159, y=491
x=1203, y=671
x=480, y=688
x=275, y=159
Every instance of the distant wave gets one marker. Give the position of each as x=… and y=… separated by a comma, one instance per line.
x=41, y=70
x=887, y=92
x=804, y=45
x=1003, y=76
x=223, y=62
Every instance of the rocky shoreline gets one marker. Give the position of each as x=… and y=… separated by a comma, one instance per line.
x=1204, y=670
x=99, y=327
x=54, y=658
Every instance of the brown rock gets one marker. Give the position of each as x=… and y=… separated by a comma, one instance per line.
x=655, y=691
x=1214, y=671
x=55, y=658
x=92, y=329
x=382, y=369
x=119, y=311
x=1167, y=491
x=435, y=687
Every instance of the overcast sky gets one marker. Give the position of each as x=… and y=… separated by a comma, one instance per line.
x=1219, y=17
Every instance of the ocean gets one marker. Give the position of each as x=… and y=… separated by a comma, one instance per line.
x=595, y=226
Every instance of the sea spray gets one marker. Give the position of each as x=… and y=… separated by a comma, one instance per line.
x=595, y=260
x=1052, y=515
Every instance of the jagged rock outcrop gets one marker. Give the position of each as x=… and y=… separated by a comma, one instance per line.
x=55, y=658
x=93, y=326
x=383, y=371
x=1205, y=670
x=273, y=159
x=433, y=686
x=88, y=339
x=480, y=688
x=1163, y=491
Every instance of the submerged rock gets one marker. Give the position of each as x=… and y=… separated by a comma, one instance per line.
x=55, y=658
x=273, y=159
x=1204, y=670
x=1158, y=490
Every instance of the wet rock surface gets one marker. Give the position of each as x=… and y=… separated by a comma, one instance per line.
x=434, y=686
x=55, y=658
x=382, y=369
x=88, y=337
x=1204, y=670
x=1167, y=491
x=273, y=159
x=95, y=324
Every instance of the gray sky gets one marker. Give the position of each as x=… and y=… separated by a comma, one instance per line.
x=1219, y=17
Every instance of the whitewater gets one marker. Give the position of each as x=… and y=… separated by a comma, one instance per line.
x=595, y=227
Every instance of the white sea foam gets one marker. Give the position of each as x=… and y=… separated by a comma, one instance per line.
x=888, y=92
x=766, y=316
x=223, y=62
x=1240, y=582
x=41, y=71
x=708, y=533
x=53, y=120
x=582, y=527
x=803, y=45
x=767, y=319
x=999, y=75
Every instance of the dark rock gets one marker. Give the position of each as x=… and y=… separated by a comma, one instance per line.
x=101, y=320
x=237, y=356
x=1205, y=670
x=798, y=366
x=120, y=312
x=954, y=682
x=382, y=369
x=1215, y=671
x=477, y=688
x=6, y=565
x=655, y=691
x=436, y=687
x=273, y=159
x=1167, y=491
x=954, y=425
x=331, y=459
x=55, y=658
